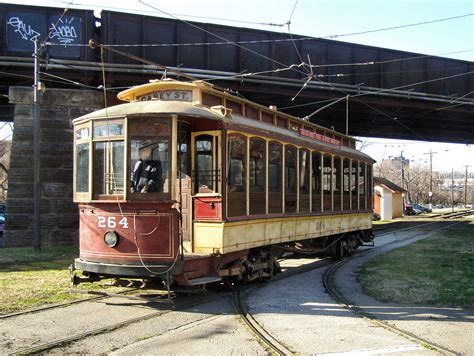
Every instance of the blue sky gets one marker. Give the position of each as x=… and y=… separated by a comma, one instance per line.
x=324, y=18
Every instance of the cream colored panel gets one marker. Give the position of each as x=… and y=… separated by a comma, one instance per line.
x=235, y=236
x=273, y=230
x=302, y=228
x=208, y=237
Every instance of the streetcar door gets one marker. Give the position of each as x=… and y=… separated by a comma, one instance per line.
x=183, y=182
x=206, y=163
x=206, y=178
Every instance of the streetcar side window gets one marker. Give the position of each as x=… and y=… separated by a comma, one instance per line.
x=362, y=186
x=274, y=177
x=346, y=184
x=304, y=181
x=257, y=175
x=150, y=157
x=354, y=186
x=290, y=179
x=327, y=183
x=316, y=182
x=237, y=196
x=337, y=183
x=370, y=187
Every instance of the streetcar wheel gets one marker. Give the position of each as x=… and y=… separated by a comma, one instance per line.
x=233, y=283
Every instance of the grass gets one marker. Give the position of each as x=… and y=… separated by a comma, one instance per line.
x=382, y=222
x=438, y=270
x=31, y=279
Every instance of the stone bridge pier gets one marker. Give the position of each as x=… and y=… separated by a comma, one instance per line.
x=59, y=216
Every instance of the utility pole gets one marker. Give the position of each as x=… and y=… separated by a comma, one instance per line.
x=465, y=187
x=347, y=115
x=37, y=86
x=403, y=171
x=452, y=189
x=431, y=153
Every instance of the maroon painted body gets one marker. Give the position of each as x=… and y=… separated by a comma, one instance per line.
x=150, y=230
x=208, y=208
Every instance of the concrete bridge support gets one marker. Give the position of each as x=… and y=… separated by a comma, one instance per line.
x=59, y=217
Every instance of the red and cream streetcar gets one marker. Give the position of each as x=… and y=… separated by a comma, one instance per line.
x=190, y=185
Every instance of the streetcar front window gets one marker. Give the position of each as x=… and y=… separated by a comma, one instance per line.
x=108, y=168
x=109, y=158
x=81, y=161
x=150, y=158
x=82, y=168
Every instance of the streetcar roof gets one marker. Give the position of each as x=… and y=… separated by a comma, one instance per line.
x=152, y=107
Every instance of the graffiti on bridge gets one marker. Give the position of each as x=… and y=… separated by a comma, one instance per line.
x=25, y=31
x=64, y=31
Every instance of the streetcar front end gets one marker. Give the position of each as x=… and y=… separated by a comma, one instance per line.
x=123, y=169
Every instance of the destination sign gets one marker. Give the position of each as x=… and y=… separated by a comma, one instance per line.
x=168, y=95
x=319, y=137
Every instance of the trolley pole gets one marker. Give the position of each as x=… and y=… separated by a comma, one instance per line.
x=36, y=147
x=347, y=115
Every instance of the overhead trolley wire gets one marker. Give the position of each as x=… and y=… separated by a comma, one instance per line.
x=227, y=42
x=289, y=32
x=312, y=76
x=218, y=36
x=372, y=92
x=114, y=8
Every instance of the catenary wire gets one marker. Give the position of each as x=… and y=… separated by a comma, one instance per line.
x=227, y=42
x=217, y=36
x=368, y=92
x=114, y=8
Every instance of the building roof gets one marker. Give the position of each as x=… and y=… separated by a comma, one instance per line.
x=388, y=185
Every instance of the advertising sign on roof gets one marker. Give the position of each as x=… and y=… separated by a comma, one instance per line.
x=319, y=137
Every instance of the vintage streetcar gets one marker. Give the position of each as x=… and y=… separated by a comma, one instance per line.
x=188, y=185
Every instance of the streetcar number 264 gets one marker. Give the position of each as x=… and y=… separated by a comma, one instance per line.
x=111, y=222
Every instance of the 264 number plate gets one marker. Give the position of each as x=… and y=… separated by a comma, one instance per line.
x=111, y=222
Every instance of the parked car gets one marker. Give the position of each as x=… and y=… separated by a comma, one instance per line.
x=411, y=210
x=2, y=224
x=422, y=208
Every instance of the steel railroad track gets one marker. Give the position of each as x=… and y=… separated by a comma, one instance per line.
x=47, y=346
x=99, y=296
x=270, y=342
x=265, y=338
x=329, y=285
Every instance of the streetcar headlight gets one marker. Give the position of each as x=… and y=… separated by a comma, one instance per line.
x=111, y=238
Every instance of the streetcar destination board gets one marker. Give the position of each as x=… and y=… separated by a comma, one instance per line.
x=169, y=95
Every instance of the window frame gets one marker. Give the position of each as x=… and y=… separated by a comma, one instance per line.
x=252, y=194
x=318, y=188
x=286, y=186
x=280, y=192
x=119, y=138
x=216, y=162
x=152, y=196
x=245, y=192
x=304, y=180
x=83, y=196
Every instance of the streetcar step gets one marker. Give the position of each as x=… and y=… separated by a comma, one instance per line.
x=204, y=280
